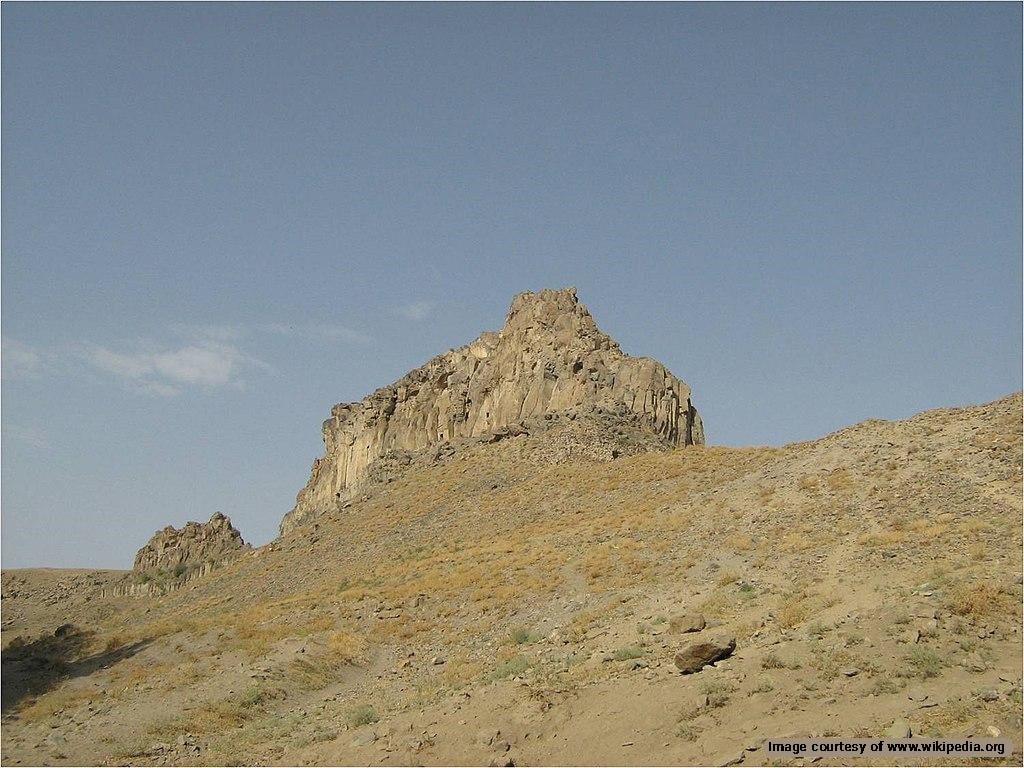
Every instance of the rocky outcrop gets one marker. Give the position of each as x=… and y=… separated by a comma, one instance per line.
x=176, y=551
x=550, y=357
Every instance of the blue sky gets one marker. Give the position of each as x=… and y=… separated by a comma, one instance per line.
x=221, y=219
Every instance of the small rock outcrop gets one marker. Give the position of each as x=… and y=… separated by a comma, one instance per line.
x=550, y=357
x=173, y=549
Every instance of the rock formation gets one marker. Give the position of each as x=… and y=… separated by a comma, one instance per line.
x=190, y=547
x=550, y=357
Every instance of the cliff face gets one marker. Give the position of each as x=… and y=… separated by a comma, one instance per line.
x=550, y=357
x=191, y=546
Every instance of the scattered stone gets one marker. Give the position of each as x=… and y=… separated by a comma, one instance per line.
x=699, y=654
x=916, y=694
x=994, y=732
x=850, y=671
x=437, y=660
x=989, y=695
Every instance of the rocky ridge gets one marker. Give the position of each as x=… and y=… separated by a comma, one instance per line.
x=549, y=358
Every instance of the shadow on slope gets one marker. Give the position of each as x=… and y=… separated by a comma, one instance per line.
x=31, y=668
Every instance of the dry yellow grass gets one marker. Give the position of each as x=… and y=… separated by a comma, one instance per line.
x=41, y=709
x=979, y=599
x=792, y=610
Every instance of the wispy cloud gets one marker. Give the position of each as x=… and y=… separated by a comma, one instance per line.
x=167, y=372
x=212, y=331
x=202, y=356
x=417, y=311
x=319, y=332
x=315, y=332
x=19, y=360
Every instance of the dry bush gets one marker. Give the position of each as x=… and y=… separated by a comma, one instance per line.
x=839, y=480
x=791, y=611
x=979, y=599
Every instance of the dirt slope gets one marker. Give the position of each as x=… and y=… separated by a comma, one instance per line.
x=495, y=606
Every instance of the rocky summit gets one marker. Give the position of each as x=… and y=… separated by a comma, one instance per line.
x=192, y=545
x=549, y=358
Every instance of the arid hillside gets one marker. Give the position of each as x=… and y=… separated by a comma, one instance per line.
x=520, y=602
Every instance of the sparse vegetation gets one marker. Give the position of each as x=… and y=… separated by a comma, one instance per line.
x=978, y=600
x=924, y=662
x=764, y=685
x=771, y=660
x=629, y=652
x=791, y=611
x=717, y=691
x=521, y=636
x=517, y=665
x=363, y=714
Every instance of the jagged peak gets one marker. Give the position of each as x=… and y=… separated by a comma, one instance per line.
x=550, y=357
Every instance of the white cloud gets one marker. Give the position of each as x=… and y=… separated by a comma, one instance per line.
x=19, y=359
x=417, y=311
x=167, y=372
x=208, y=364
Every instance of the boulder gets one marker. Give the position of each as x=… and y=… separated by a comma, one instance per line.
x=708, y=650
